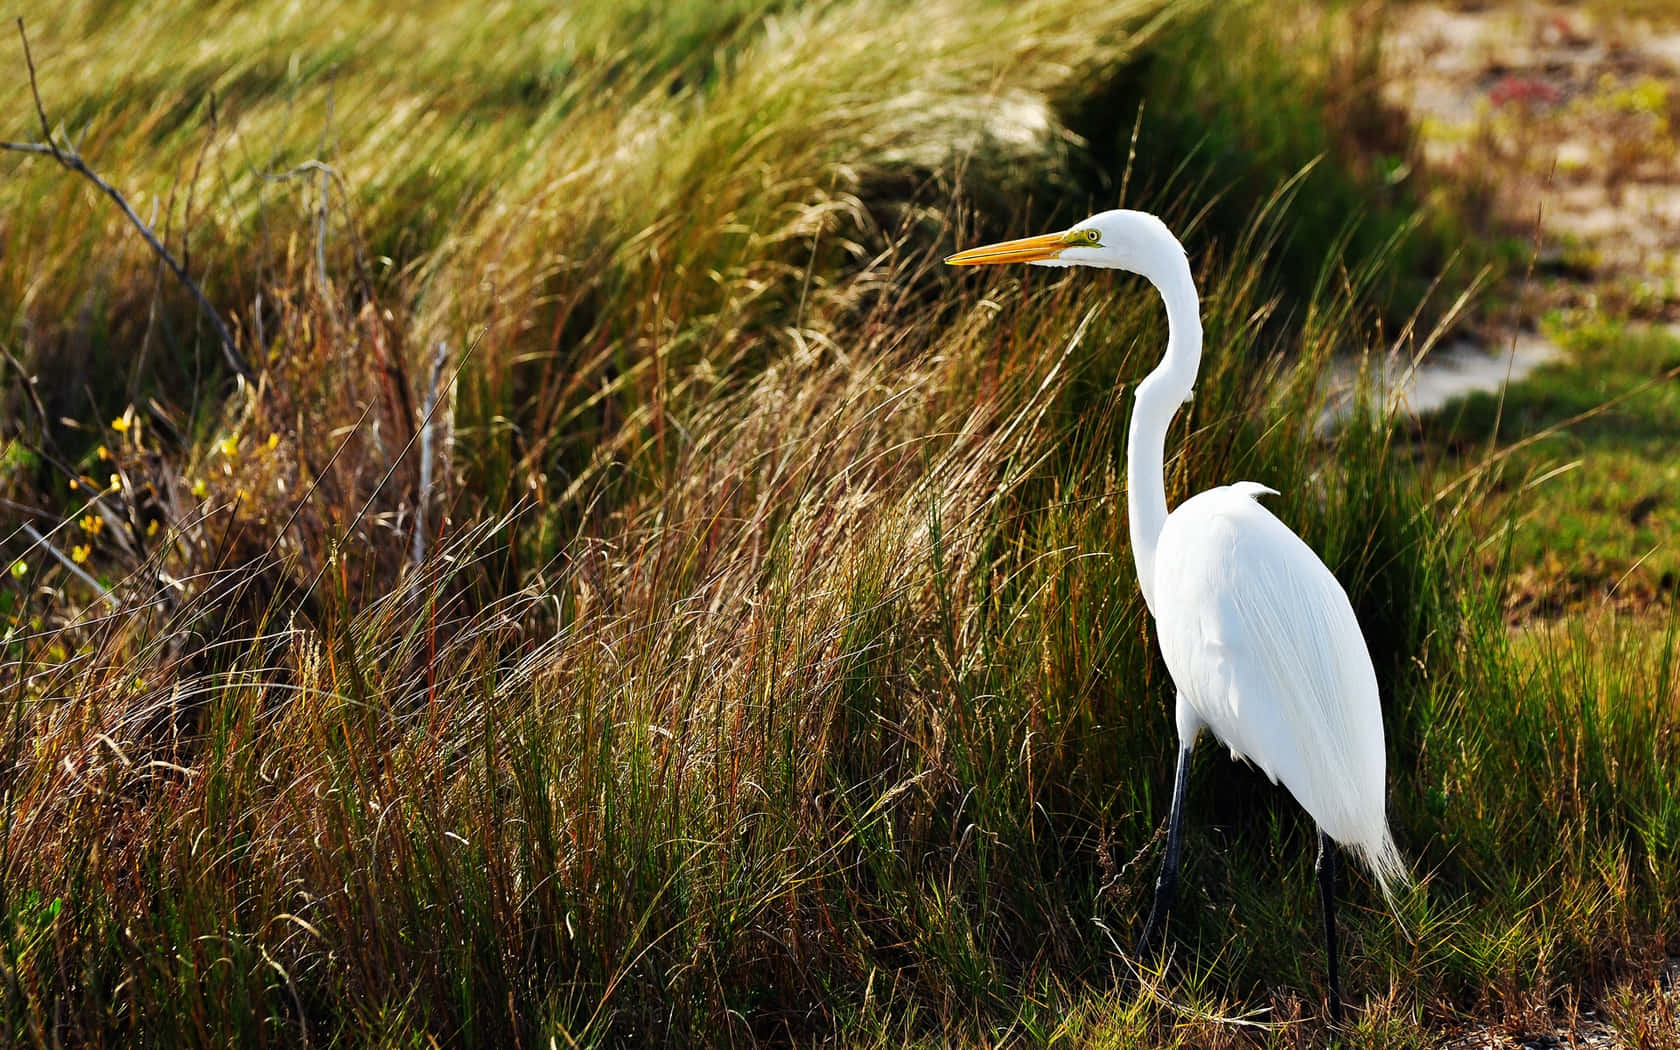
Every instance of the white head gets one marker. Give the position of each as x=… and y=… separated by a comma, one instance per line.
x=1134, y=241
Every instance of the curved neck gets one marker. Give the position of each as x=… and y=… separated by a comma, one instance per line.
x=1158, y=398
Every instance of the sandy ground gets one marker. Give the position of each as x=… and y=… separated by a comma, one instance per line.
x=1566, y=119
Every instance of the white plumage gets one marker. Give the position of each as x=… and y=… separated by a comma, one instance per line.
x=1267, y=655
x=1260, y=639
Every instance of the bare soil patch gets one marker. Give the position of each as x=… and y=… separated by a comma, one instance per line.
x=1563, y=120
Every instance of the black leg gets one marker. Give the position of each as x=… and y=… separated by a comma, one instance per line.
x=1166, y=886
x=1327, y=889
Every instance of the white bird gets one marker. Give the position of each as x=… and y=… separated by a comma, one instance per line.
x=1261, y=641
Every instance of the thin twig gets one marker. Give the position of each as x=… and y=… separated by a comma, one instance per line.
x=356, y=522
x=28, y=382
x=24, y=508
x=71, y=160
x=40, y=110
x=428, y=427
x=321, y=215
x=329, y=176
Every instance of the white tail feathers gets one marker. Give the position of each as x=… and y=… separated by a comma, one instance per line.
x=1382, y=859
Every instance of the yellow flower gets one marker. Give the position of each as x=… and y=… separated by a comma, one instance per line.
x=200, y=489
x=104, y=453
x=229, y=446
x=79, y=553
x=120, y=424
x=152, y=527
x=273, y=442
x=92, y=523
x=20, y=569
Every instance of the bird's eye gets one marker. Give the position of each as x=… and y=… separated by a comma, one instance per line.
x=1092, y=236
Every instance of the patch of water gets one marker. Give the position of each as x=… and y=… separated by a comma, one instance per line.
x=1450, y=372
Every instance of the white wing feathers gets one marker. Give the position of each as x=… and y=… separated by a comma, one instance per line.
x=1266, y=653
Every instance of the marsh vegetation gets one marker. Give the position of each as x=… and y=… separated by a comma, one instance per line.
x=771, y=668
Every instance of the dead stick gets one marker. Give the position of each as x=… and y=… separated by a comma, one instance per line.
x=428, y=427
x=71, y=160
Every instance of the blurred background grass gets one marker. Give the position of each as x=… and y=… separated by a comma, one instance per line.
x=777, y=672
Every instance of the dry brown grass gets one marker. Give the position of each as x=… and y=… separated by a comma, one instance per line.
x=776, y=673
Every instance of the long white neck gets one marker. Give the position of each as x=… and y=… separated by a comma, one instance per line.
x=1158, y=398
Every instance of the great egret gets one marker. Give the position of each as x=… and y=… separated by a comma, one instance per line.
x=1259, y=637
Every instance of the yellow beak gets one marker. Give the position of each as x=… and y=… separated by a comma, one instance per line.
x=1027, y=249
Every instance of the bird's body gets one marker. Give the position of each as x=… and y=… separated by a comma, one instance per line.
x=1260, y=639
x=1267, y=656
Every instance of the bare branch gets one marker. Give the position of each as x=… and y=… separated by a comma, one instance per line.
x=68, y=157
x=40, y=110
x=28, y=383
x=24, y=508
x=428, y=429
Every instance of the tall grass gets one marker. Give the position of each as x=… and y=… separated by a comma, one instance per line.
x=779, y=674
